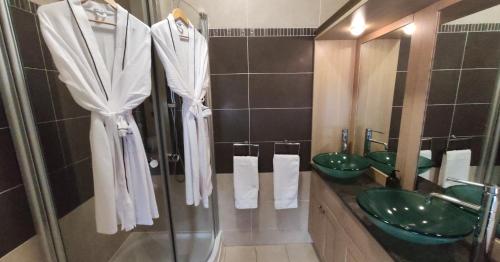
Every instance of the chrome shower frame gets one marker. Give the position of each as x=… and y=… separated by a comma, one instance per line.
x=24, y=134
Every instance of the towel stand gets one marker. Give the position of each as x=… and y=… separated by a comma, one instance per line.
x=425, y=139
x=246, y=144
x=287, y=144
x=458, y=139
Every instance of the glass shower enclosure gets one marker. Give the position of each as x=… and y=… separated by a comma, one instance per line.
x=53, y=137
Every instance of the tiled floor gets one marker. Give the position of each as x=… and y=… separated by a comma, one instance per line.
x=277, y=253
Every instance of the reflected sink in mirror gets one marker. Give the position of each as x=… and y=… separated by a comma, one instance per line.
x=385, y=161
x=412, y=217
x=341, y=165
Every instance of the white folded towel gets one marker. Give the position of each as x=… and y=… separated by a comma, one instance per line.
x=427, y=174
x=455, y=164
x=246, y=181
x=286, y=180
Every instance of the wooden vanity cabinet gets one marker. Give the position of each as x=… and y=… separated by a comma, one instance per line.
x=337, y=235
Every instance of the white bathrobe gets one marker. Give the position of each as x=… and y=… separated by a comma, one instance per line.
x=107, y=70
x=186, y=66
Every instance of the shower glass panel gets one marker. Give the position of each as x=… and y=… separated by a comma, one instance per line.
x=193, y=227
x=182, y=233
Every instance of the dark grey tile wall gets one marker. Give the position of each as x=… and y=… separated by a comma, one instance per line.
x=466, y=61
x=399, y=92
x=63, y=126
x=261, y=91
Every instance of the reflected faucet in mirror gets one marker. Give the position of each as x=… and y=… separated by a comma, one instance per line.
x=345, y=139
x=369, y=139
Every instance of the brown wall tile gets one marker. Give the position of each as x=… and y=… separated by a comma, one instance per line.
x=395, y=122
x=230, y=125
x=477, y=86
x=482, y=50
x=404, y=53
x=27, y=38
x=228, y=55
x=470, y=120
x=3, y=117
x=449, y=50
x=230, y=91
x=280, y=124
x=281, y=90
x=16, y=225
x=10, y=175
x=75, y=141
x=399, y=89
x=280, y=54
x=64, y=104
x=443, y=87
x=39, y=93
x=438, y=121
x=51, y=146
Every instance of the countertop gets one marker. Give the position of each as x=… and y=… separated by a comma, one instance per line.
x=399, y=250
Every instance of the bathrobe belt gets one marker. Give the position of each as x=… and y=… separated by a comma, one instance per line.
x=198, y=109
x=118, y=127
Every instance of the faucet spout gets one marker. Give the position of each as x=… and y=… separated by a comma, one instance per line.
x=453, y=200
x=386, y=145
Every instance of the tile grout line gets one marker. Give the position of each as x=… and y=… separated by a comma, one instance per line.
x=11, y=188
x=458, y=90
x=261, y=73
x=63, y=119
x=45, y=63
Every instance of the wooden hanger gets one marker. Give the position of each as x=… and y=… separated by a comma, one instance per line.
x=111, y=3
x=180, y=15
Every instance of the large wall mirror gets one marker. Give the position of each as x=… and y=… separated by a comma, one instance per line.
x=383, y=64
x=461, y=99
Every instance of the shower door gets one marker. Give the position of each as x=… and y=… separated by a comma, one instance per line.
x=194, y=228
x=181, y=233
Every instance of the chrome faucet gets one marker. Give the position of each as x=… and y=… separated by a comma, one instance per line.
x=345, y=139
x=484, y=233
x=369, y=139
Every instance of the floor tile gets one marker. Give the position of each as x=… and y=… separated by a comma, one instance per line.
x=240, y=254
x=271, y=254
x=301, y=253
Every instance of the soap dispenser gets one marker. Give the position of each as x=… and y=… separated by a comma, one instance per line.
x=393, y=181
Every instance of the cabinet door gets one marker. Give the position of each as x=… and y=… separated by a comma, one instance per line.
x=316, y=226
x=335, y=239
x=353, y=253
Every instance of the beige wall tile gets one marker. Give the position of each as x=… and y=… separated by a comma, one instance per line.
x=234, y=219
x=240, y=254
x=266, y=189
x=187, y=218
x=329, y=7
x=275, y=237
x=283, y=13
x=223, y=13
x=271, y=254
x=233, y=238
x=294, y=218
x=301, y=253
x=304, y=185
x=283, y=224
x=265, y=217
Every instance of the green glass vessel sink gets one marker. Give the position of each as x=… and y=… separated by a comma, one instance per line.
x=385, y=161
x=410, y=216
x=340, y=165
